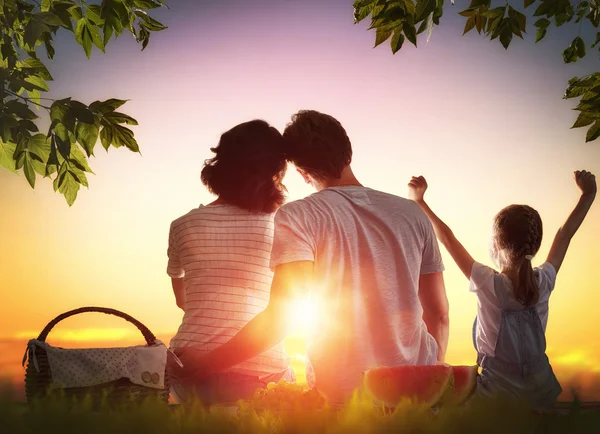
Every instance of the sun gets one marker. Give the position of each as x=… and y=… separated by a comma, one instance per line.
x=304, y=315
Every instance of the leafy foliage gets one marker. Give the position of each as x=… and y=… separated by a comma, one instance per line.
x=75, y=127
x=400, y=18
x=359, y=415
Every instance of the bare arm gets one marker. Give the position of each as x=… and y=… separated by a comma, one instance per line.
x=587, y=183
x=179, y=291
x=432, y=295
x=463, y=259
x=265, y=330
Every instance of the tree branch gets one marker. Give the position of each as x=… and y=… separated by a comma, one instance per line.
x=29, y=100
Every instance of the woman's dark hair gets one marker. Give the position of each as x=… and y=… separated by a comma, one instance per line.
x=248, y=167
x=517, y=237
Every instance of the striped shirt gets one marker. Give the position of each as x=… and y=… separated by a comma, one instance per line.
x=222, y=252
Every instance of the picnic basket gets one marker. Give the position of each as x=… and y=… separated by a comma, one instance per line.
x=134, y=386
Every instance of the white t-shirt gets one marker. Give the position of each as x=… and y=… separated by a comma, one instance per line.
x=369, y=249
x=222, y=252
x=489, y=308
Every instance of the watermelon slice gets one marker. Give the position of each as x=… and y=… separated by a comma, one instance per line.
x=465, y=380
x=421, y=384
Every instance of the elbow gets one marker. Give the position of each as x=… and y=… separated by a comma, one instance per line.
x=444, y=319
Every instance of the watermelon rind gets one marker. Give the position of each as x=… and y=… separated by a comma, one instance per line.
x=385, y=384
x=463, y=385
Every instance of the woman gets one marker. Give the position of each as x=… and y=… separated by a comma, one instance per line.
x=219, y=260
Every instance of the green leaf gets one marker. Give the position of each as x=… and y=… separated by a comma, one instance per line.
x=580, y=47
x=61, y=112
x=81, y=112
x=480, y=22
x=46, y=4
x=120, y=118
x=96, y=36
x=381, y=37
x=539, y=35
x=123, y=136
x=529, y=3
x=93, y=14
x=60, y=176
x=593, y=132
x=28, y=170
x=33, y=32
x=542, y=23
x=470, y=24
x=397, y=41
x=37, y=82
x=149, y=22
x=111, y=12
x=68, y=186
x=20, y=109
x=7, y=152
x=149, y=4
x=39, y=145
x=410, y=32
x=76, y=12
x=424, y=8
x=34, y=66
x=78, y=158
x=34, y=96
x=575, y=51
x=83, y=36
x=580, y=86
x=109, y=105
x=519, y=21
x=63, y=145
x=409, y=7
x=544, y=8
x=87, y=136
x=506, y=33
x=597, y=41
x=48, y=18
x=106, y=136
x=583, y=120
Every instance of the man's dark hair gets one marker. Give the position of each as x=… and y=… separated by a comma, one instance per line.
x=248, y=167
x=318, y=144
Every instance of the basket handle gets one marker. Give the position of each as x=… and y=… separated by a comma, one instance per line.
x=148, y=335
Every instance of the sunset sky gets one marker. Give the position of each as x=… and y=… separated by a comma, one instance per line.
x=487, y=127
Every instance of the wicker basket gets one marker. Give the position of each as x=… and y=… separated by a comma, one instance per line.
x=38, y=377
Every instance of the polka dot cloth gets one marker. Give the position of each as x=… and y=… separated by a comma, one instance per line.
x=142, y=365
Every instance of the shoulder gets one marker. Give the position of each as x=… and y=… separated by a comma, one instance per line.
x=182, y=219
x=546, y=276
x=482, y=277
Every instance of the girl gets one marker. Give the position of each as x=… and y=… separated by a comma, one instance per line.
x=512, y=305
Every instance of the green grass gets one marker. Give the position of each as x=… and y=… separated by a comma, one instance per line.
x=359, y=417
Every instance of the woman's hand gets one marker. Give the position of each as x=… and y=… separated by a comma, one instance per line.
x=416, y=188
x=194, y=364
x=586, y=182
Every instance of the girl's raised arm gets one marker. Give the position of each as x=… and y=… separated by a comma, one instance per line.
x=416, y=192
x=587, y=184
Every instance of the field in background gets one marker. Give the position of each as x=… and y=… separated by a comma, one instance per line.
x=571, y=376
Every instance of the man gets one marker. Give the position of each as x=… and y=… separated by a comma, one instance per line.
x=371, y=260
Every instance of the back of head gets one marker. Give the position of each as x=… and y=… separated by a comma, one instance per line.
x=248, y=167
x=317, y=144
x=517, y=238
